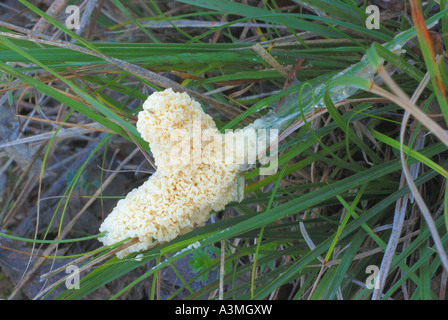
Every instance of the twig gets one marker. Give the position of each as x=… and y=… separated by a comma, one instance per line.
x=94, y=19
x=86, y=15
x=53, y=10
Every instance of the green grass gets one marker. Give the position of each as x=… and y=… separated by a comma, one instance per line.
x=314, y=226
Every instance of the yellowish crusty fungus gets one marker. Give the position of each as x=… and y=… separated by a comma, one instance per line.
x=192, y=178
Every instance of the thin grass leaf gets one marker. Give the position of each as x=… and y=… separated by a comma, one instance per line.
x=413, y=153
x=429, y=56
x=8, y=236
x=128, y=14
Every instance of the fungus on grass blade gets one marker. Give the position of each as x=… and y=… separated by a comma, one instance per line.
x=193, y=176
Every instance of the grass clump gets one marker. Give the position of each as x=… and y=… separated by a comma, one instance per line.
x=362, y=168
